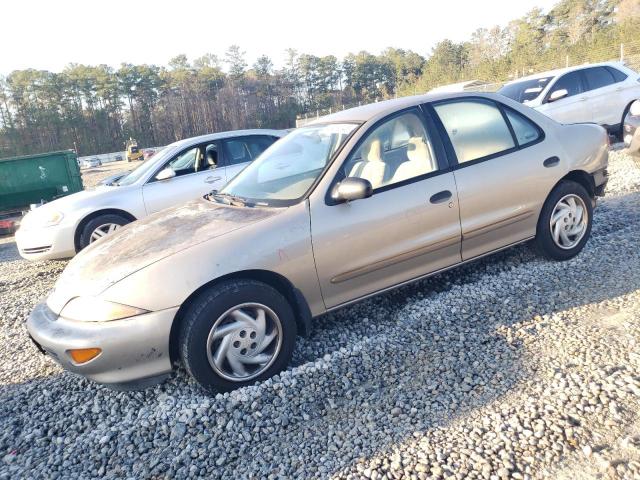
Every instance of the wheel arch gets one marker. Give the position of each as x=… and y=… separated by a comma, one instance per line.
x=104, y=211
x=296, y=299
x=578, y=176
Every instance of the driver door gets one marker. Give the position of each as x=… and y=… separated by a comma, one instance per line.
x=196, y=174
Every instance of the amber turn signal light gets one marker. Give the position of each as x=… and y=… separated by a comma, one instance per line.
x=83, y=355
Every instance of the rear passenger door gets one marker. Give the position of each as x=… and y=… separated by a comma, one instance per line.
x=503, y=169
x=240, y=151
x=603, y=96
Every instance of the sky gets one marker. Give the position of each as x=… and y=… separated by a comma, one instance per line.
x=50, y=34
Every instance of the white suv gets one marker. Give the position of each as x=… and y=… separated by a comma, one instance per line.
x=601, y=93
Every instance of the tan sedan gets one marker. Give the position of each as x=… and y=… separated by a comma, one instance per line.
x=355, y=204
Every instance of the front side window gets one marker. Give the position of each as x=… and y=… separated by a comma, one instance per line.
x=398, y=149
x=598, y=77
x=525, y=90
x=286, y=170
x=476, y=128
x=525, y=130
x=571, y=82
x=185, y=163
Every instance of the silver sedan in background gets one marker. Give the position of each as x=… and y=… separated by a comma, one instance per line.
x=352, y=205
x=180, y=172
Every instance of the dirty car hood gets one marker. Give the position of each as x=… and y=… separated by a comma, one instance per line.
x=147, y=241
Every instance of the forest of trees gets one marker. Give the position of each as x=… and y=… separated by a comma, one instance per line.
x=96, y=108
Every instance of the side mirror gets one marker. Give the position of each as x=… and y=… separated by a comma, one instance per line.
x=558, y=94
x=166, y=174
x=351, y=189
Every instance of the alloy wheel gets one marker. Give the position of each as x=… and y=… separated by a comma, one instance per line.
x=103, y=230
x=569, y=221
x=244, y=342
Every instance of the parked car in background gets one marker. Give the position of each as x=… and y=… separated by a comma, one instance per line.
x=349, y=206
x=148, y=153
x=601, y=93
x=631, y=129
x=90, y=162
x=182, y=171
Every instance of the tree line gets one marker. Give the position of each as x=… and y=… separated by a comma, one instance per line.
x=94, y=109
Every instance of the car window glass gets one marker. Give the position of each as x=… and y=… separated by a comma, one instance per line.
x=210, y=159
x=258, y=144
x=246, y=149
x=186, y=162
x=397, y=150
x=476, y=128
x=524, y=129
x=598, y=77
x=617, y=74
x=569, y=82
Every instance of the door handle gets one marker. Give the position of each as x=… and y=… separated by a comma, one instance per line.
x=551, y=162
x=441, y=197
x=212, y=179
x=583, y=99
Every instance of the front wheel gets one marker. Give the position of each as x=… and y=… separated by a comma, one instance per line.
x=236, y=333
x=565, y=221
x=100, y=226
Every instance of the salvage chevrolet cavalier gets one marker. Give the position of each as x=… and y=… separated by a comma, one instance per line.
x=354, y=204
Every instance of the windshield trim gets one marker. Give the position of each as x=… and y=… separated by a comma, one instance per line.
x=275, y=203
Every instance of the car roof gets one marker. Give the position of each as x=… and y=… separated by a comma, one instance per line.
x=374, y=110
x=560, y=71
x=230, y=134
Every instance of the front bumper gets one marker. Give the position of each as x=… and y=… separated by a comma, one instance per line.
x=46, y=243
x=133, y=349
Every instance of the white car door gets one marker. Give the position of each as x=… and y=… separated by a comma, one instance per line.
x=196, y=173
x=240, y=151
x=604, y=96
x=572, y=108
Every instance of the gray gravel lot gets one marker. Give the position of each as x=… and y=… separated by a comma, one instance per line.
x=511, y=367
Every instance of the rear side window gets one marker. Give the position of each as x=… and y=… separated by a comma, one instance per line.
x=246, y=149
x=571, y=82
x=617, y=74
x=476, y=128
x=598, y=77
x=525, y=130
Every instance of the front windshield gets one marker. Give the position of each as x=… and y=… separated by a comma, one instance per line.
x=286, y=170
x=526, y=90
x=145, y=167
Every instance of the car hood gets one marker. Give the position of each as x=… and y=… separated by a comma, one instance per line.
x=147, y=241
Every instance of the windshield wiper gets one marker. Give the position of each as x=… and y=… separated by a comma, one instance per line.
x=230, y=199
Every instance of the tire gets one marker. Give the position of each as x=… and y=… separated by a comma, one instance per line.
x=201, y=340
x=102, y=220
x=565, y=192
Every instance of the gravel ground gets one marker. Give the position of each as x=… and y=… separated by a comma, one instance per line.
x=511, y=367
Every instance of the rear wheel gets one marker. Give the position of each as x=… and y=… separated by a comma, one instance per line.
x=100, y=226
x=565, y=221
x=236, y=333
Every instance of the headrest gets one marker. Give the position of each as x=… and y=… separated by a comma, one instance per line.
x=372, y=150
x=417, y=150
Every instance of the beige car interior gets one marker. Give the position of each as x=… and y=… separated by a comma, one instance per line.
x=387, y=156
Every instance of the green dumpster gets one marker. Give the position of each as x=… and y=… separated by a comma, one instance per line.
x=36, y=178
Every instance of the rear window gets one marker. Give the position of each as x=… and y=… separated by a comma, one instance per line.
x=598, y=77
x=617, y=74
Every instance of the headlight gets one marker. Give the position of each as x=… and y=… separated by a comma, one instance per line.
x=89, y=309
x=44, y=218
